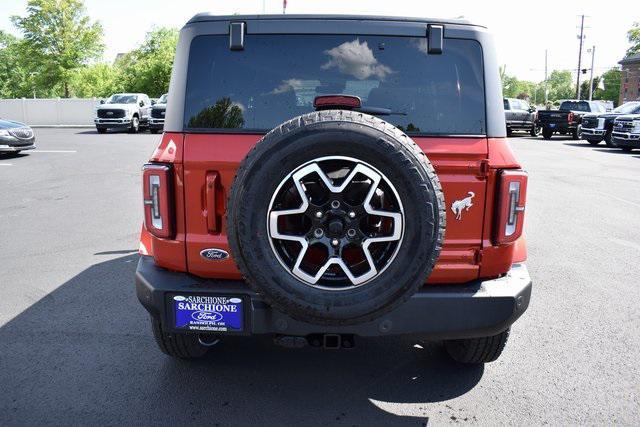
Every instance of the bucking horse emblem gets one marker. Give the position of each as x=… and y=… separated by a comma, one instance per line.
x=465, y=204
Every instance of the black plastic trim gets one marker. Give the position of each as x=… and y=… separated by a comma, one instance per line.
x=475, y=309
x=435, y=38
x=209, y=17
x=236, y=35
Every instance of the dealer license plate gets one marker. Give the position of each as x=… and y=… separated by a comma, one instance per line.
x=210, y=313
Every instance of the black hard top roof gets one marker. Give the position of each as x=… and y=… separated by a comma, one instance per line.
x=206, y=17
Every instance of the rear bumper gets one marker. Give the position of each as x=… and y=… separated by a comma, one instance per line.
x=557, y=127
x=480, y=308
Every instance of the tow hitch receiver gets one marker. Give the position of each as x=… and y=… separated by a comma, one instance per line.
x=326, y=341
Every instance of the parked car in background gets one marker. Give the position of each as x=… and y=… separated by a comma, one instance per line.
x=156, y=122
x=626, y=132
x=519, y=115
x=599, y=127
x=608, y=105
x=16, y=137
x=568, y=118
x=128, y=111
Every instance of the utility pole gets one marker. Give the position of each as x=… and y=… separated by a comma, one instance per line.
x=593, y=54
x=580, y=56
x=546, y=90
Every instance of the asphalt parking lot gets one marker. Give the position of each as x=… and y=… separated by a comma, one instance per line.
x=76, y=347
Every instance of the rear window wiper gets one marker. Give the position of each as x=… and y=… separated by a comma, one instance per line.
x=350, y=102
x=379, y=111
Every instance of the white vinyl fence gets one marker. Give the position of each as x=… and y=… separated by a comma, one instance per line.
x=50, y=112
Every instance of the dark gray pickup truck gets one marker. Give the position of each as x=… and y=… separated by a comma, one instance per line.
x=567, y=119
x=519, y=115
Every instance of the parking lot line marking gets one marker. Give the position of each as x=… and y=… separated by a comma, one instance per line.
x=6, y=164
x=53, y=151
x=618, y=198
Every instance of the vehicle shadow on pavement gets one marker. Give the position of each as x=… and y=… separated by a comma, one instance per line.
x=13, y=156
x=95, y=132
x=613, y=150
x=541, y=139
x=584, y=145
x=85, y=354
x=109, y=132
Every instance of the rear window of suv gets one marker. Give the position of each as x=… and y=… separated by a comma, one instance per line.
x=277, y=77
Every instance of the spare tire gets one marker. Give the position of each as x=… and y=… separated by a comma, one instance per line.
x=336, y=217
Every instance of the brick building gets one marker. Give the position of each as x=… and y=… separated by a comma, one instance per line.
x=630, y=79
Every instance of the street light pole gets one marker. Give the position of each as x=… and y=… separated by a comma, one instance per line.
x=593, y=54
x=580, y=56
x=546, y=90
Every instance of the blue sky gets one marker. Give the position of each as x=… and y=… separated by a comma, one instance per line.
x=523, y=29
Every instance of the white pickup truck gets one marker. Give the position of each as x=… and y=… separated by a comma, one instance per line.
x=626, y=132
x=129, y=111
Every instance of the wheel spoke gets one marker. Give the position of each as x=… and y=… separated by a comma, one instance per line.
x=275, y=215
x=356, y=280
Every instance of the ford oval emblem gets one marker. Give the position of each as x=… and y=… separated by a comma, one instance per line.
x=210, y=316
x=214, y=254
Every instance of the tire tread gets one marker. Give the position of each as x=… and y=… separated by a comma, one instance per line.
x=477, y=350
x=181, y=346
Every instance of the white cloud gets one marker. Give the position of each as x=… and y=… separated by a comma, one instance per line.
x=423, y=46
x=287, y=85
x=356, y=59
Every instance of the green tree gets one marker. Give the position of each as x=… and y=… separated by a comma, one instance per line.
x=514, y=88
x=12, y=74
x=58, y=39
x=560, y=85
x=96, y=80
x=224, y=114
x=148, y=68
x=633, y=35
x=611, y=83
x=584, y=88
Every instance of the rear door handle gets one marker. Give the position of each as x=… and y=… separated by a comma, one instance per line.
x=210, y=199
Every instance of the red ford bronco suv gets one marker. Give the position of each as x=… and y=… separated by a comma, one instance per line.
x=327, y=177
